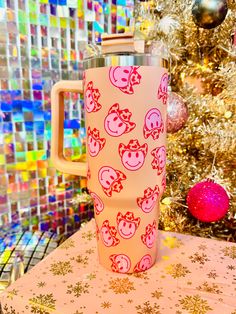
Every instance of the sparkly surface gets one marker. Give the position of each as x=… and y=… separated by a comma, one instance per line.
x=25, y=248
x=191, y=276
x=203, y=72
x=42, y=42
x=209, y=14
x=177, y=112
x=208, y=201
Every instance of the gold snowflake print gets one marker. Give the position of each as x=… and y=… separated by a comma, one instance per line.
x=211, y=288
x=195, y=305
x=88, y=235
x=141, y=275
x=42, y=304
x=231, y=267
x=157, y=294
x=130, y=301
x=67, y=244
x=212, y=274
x=177, y=270
x=61, y=268
x=147, y=308
x=77, y=312
x=9, y=310
x=41, y=284
x=199, y=258
x=230, y=251
x=106, y=305
x=172, y=242
x=78, y=289
x=82, y=260
x=89, y=251
x=91, y=276
x=121, y=285
x=12, y=293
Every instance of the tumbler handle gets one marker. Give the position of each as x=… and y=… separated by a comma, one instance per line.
x=57, y=140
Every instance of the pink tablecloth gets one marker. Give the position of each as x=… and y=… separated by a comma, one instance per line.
x=192, y=275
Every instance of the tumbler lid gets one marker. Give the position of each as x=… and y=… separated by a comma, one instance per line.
x=118, y=43
x=124, y=50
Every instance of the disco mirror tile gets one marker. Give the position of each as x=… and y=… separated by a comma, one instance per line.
x=42, y=42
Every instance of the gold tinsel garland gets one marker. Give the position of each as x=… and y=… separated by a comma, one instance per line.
x=206, y=56
x=206, y=146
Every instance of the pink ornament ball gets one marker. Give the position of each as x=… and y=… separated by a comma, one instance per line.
x=177, y=112
x=208, y=201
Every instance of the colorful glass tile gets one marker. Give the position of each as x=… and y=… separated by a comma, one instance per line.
x=42, y=42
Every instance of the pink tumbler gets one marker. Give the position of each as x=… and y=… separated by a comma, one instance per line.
x=125, y=114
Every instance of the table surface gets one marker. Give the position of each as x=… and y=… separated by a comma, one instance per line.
x=192, y=275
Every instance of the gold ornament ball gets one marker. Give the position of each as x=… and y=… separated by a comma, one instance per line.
x=209, y=13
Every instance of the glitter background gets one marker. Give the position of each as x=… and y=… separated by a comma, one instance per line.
x=41, y=42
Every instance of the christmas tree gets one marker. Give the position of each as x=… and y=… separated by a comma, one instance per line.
x=200, y=37
x=201, y=40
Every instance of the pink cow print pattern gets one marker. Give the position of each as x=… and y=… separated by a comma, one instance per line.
x=133, y=155
x=159, y=160
x=117, y=122
x=110, y=180
x=91, y=98
x=108, y=234
x=149, y=200
x=149, y=237
x=95, y=142
x=127, y=224
x=98, y=203
x=144, y=264
x=124, y=78
x=153, y=124
x=163, y=88
x=120, y=263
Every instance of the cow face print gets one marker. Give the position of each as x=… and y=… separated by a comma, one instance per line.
x=108, y=234
x=153, y=124
x=110, y=180
x=91, y=98
x=95, y=143
x=127, y=225
x=133, y=155
x=149, y=238
x=124, y=78
x=98, y=203
x=120, y=263
x=159, y=160
x=149, y=200
x=144, y=264
x=117, y=122
x=163, y=89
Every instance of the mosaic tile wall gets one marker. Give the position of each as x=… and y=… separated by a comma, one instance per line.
x=42, y=41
